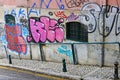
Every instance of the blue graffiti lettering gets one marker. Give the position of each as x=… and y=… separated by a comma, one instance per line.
x=60, y=6
x=46, y=5
x=33, y=11
x=21, y=12
x=63, y=50
x=13, y=12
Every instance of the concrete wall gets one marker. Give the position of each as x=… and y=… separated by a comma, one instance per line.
x=24, y=24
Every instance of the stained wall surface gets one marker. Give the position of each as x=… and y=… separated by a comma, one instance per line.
x=41, y=30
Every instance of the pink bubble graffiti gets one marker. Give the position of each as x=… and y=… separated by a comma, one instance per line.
x=46, y=29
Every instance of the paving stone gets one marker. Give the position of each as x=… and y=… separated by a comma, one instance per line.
x=77, y=71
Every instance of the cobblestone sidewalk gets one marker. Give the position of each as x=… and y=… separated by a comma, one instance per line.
x=76, y=72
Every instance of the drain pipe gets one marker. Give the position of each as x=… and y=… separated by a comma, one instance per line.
x=31, y=57
x=103, y=46
x=103, y=40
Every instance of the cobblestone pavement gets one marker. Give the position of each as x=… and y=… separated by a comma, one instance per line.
x=76, y=72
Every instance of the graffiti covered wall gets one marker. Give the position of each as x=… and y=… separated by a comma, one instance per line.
x=25, y=25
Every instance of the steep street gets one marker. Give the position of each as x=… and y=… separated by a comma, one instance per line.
x=7, y=73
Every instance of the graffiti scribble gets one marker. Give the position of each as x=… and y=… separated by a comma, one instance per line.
x=108, y=21
x=63, y=50
x=75, y=3
x=60, y=14
x=24, y=21
x=72, y=17
x=89, y=17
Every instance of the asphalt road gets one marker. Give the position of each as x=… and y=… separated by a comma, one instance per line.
x=7, y=73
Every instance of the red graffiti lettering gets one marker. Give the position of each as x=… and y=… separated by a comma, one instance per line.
x=14, y=39
x=60, y=14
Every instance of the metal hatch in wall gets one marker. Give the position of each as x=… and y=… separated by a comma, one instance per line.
x=76, y=31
